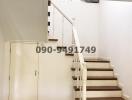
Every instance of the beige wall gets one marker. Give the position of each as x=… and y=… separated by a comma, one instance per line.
x=24, y=19
x=55, y=76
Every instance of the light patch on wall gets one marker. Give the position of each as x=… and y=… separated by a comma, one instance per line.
x=91, y=1
x=18, y=50
x=123, y=0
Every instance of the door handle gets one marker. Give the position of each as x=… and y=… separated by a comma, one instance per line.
x=35, y=72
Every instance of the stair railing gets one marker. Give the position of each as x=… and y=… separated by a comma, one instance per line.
x=78, y=61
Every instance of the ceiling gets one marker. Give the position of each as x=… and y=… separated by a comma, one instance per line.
x=24, y=19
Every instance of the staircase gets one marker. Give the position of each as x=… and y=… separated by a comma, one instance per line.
x=93, y=79
x=101, y=82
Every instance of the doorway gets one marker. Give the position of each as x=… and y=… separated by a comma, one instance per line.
x=24, y=72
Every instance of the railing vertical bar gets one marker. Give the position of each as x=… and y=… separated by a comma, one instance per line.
x=84, y=76
x=53, y=16
x=62, y=31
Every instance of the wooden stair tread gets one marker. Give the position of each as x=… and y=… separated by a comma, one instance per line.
x=97, y=78
x=53, y=39
x=96, y=60
x=69, y=54
x=101, y=78
x=61, y=47
x=96, y=69
x=99, y=88
x=103, y=98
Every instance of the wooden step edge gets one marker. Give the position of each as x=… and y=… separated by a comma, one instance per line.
x=96, y=78
x=101, y=78
x=69, y=54
x=103, y=98
x=73, y=69
x=61, y=47
x=74, y=78
x=96, y=60
x=53, y=40
x=99, y=88
x=95, y=69
x=110, y=69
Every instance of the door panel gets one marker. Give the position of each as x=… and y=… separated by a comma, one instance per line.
x=24, y=66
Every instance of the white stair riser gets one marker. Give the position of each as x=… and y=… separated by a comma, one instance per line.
x=98, y=83
x=100, y=73
x=100, y=94
x=97, y=65
x=96, y=73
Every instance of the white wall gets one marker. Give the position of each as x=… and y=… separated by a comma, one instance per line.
x=86, y=21
x=116, y=38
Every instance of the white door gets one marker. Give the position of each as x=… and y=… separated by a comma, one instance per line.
x=23, y=72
